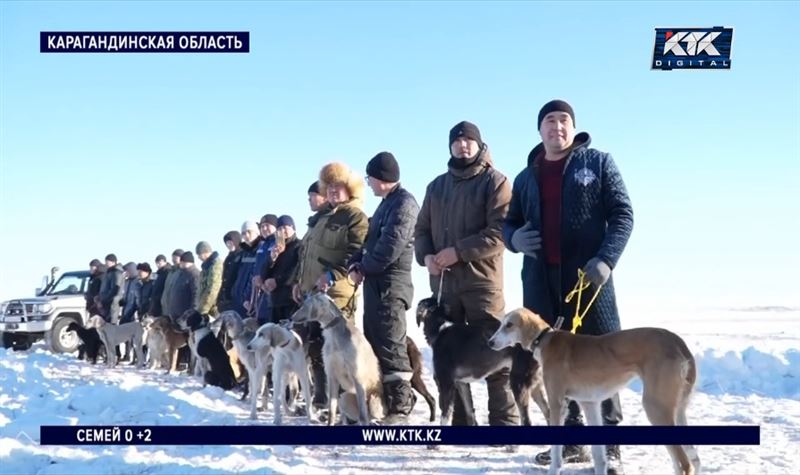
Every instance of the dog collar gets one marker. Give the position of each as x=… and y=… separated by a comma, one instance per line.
x=538, y=339
x=285, y=344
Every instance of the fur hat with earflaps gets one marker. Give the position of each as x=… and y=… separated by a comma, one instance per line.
x=338, y=172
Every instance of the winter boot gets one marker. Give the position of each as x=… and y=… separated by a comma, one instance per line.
x=400, y=400
x=569, y=453
x=614, y=460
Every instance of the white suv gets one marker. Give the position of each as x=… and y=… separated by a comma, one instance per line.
x=24, y=321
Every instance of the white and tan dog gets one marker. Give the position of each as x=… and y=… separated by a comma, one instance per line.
x=288, y=365
x=350, y=363
x=590, y=369
x=163, y=342
x=113, y=335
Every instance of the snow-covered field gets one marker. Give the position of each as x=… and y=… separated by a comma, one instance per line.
x=749, y=374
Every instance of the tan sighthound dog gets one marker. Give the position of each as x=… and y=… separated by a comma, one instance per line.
x=590, y=369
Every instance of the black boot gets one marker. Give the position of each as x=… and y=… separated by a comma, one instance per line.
x=569, y=453
x=400, y=400
x=614, y=460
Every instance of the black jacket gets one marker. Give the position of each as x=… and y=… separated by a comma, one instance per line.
x=158, y=290
x=94, y=289
x=146, y=296
x=283, y=270
x=230, y=267
x=111, y=287
x=388, y=252
x=184, y=291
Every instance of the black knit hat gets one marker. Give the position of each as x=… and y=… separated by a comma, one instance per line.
x=111, y=257
x=269, y=219
x=187, y=257
x=161, y=257
x=145, y=267
x=314, y=188
x=177, y=252
x=384, y=167
x=556, y=105
x=285, y=220
x=234, y=236
x=465, y=129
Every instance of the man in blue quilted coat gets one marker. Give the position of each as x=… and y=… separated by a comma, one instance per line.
x=570, y=210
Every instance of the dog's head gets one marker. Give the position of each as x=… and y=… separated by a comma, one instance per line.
x=231, y=322
x=250, y=324
x=433, y=317
x=520, y=326
x=74, y=327
x=317, y=307
x=192, y=320
x=159, y=324
x=269, y=335
x=428, y=308
x=96, y=322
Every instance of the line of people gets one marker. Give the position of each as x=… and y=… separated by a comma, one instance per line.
x=568, y=209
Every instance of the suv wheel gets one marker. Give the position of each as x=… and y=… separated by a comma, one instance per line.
x=7, y=339
x=17, y=341
x=60, y=340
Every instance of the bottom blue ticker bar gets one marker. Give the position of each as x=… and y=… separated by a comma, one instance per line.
x=398, y=435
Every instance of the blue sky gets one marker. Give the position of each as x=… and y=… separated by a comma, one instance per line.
x=138, y=154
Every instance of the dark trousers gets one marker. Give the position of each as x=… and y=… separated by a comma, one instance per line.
x=385, y=330
x=284, y=312
x=611, y=408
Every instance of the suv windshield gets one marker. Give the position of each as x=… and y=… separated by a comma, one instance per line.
x=68, y=285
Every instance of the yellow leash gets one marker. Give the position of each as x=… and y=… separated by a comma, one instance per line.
x=580, y=286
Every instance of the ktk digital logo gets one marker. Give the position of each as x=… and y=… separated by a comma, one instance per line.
x=692, y=48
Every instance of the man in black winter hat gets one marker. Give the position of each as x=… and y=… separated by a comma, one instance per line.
x=111, y=289
x=458, y=239
x=384, y=266
x=184, y=290
x=581, y=219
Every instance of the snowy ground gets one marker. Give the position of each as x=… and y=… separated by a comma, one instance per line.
x=749, y=374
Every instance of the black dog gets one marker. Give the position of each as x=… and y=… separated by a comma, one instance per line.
x=90, y=346
x=461, y=354
x=208, y=347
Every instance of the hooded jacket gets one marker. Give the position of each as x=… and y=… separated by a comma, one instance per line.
x=464, y=208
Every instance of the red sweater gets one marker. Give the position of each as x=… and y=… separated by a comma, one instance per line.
x=550, y=176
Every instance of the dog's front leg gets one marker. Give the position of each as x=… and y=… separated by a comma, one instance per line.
x=333, y=396
x=594, y=417
x=173, y=360
x=463, y=392
x=537, y=393
x=278, y=392
x=447, y=394
x=254, y=381
x=557, y=407
x=305, y=381
x=361, y=398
